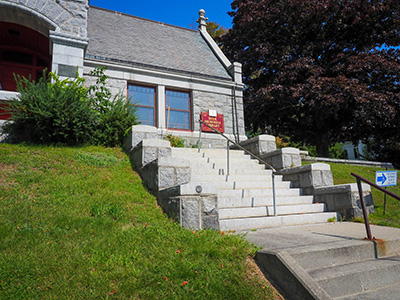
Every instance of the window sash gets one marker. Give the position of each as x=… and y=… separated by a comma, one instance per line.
x=144, y=98
x=177, y=110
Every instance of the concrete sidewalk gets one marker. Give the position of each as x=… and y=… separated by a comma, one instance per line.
x=331, y=260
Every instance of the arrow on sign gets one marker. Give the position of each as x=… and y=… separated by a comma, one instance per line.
x=381, y=179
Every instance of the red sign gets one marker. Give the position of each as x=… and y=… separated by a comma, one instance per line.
x=215, y=122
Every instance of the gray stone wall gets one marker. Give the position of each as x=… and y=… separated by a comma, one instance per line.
x=223, y=104
x=116, y=86
x=193, y=212
x=69, y=16
x=345, y=199
x=309, y=177
x=285, y=158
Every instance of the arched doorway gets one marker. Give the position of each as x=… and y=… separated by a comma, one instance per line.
x=23, y=51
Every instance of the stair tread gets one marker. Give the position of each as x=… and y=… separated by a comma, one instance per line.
x=386, y=292
x=328, y=273
x=278, y=205
x=275, y=221
x=358, y=277
x=244, y=198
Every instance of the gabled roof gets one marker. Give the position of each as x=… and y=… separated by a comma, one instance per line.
x=127, y=39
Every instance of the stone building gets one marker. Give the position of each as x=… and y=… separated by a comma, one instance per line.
x=173, y=74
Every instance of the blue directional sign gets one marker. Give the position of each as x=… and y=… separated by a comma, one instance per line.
x=386, y=178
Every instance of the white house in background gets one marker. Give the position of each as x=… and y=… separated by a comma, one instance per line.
x=354, y=152
x=173, y=74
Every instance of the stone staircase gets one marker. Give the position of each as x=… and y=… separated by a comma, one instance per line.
x=332, y=261
x=245, y=195
x=355, y=269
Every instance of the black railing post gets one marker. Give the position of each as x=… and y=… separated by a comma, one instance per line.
x=364, y=209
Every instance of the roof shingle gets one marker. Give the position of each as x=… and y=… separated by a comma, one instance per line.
x=120, y=37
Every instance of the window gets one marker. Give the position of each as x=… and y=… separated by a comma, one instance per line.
x=177, y=110
x=144, y=98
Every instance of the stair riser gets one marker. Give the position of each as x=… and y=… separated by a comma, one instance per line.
x=268, y=222
x=237, y=178
x=269, y=211
x=210, y=152
x=243, y=185
x=238, y=172
x=244, y=193
x=361, y=281
x=335, y=256
x=199, y=165
x=224, y=202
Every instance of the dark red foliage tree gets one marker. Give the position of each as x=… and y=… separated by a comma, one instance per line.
x=319, y=71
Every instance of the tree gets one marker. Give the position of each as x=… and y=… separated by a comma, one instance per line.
x=215, y=30
x=319, y=71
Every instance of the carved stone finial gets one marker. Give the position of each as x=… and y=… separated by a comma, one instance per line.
x=202, y=19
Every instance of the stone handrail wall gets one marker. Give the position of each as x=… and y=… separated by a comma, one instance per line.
x=166, y=177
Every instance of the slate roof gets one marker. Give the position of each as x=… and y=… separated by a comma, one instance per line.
x=132, y=40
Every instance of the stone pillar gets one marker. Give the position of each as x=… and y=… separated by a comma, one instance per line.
x=192, y=212
x=309, y=177
x=260, y=144
x=148, y=151
x=284, y=158
x=68, y=54
x=139, y=133
x=345, y=199
x=161, y=109
x=235, y=70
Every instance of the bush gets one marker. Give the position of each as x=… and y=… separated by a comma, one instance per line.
x=51, y=111
x=54, y=111
x=336, y=150
x=175, y=141
x=115, y=114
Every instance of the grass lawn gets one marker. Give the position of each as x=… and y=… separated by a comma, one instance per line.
x=341, y=174
x=76, y=223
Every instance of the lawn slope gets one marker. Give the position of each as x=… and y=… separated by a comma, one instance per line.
x=76, y=223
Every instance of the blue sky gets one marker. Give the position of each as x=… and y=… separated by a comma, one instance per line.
x=176, y=12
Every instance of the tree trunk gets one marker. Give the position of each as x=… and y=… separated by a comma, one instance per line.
x=323, y=146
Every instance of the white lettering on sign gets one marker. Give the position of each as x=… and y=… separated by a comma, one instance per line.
x=386, y=178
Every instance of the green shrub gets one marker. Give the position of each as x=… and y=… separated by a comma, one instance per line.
x=54, y=111
x=285, y=141
x=115, y=114
x=175, y=141
x=336, y=150
x=51, y=111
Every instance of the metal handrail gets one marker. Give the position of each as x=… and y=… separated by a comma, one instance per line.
x=364, y=209
x=237, y=145
x=245, y=150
